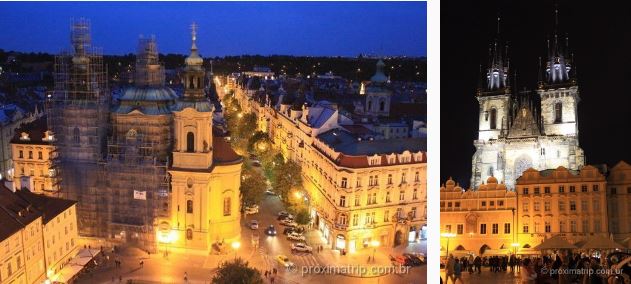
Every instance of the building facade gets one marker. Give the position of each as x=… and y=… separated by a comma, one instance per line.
x=479, y=220
x=37, y=237
x=205, y=174
x=572, y=204
x=619, y=202
x=33, y=157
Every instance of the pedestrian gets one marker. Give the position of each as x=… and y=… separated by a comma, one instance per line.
x=528, y=274
x=120, y=278
x=271, y=280
x=265, y=273
x=457, y=270
x=450, y=269
x=185, y=277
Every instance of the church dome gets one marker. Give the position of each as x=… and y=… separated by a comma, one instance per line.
x=450, y=182
x=491, y=180
x=148, y=94
x=379, y=76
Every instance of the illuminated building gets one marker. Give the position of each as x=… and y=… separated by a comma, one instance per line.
x=525, y=130
x=360, y=190
x=205, y=174
x=477, y=218
x=38, y=235
x=33, y=155
x=561, y=202
x=619, y=202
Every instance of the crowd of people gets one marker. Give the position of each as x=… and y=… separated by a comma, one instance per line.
x=556, y=267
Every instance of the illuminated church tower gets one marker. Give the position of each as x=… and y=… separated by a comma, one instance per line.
x=521, y=130
x=205, y=174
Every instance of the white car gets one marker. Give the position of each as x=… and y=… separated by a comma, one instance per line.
x=301, y=247
x=254, y=224
x=251, y=210
x=281, y=213
x=288, y=223
x=296, y=237
x=284, y=261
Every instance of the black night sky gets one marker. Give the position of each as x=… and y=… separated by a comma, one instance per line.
x=600, y=38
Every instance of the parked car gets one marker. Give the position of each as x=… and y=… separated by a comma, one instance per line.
x=296, y=237
x=288, y=230
x=284, y=261
x=269, y=191
x=398, y=261
x=270, y=231
x=281, y=213
x=301, y=247
x=288, y=222
x=256, y=164
x=413, y=260
x=254, y=224
x=285, y=217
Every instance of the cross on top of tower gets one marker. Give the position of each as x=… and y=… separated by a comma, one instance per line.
x=194, y=31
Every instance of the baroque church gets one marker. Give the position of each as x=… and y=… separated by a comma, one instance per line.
x=149, y=167
x=529, y=129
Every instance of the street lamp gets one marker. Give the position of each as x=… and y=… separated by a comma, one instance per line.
x=236, y=246
x=448, y=236
x=515, y=246
x=374, y=245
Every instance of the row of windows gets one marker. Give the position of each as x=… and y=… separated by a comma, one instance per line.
x=371, y=198
x=614, y=190
x=226, y=206
x=495, y=229
x=40, y=155
x=374, y=180
x=371, y=219
x=456, y=204
x=561, y=189
x=561, y=206
x=573, y=227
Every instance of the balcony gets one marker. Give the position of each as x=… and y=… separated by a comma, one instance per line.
x=341, y=226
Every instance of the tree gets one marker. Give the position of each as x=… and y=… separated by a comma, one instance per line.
x=287, y=176
x=252, y=187
x=303, y=217
x=237, y=271
x=257, y=137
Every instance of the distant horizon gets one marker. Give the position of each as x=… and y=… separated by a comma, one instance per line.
x=236, y=55
x=327, y=29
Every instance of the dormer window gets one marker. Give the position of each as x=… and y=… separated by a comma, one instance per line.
x=48, y=136
x=24, y=137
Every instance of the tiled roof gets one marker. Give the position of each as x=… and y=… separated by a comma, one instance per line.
x=223, y=153
x=50, y=207
x=35, y=130
x=15, y=212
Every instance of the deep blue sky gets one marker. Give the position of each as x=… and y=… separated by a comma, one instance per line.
x=225, y=28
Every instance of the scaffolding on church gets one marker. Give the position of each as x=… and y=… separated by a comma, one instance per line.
x=77, y=113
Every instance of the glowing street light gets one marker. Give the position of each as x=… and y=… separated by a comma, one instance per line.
x=240, y=115
x=374, y=245
x=236, y=246
x=515, y=246
x=448, y=236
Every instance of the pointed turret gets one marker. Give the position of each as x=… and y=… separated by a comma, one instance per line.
x=558, y=68
x=497, y=70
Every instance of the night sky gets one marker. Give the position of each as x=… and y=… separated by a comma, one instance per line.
x=225, y=28
x=599, y=37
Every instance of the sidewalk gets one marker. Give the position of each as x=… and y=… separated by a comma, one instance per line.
x=356, y=264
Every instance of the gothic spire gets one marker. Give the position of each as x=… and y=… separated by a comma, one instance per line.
x=498, y=66
x=558, y=69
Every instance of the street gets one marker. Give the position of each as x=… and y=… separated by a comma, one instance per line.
x=199, y=267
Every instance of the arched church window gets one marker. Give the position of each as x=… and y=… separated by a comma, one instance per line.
x=382, y=105
x=76, y=138
x=369, y=105
x=558, y=113
x=190, y=83
x=199, y=82
x=189, y=206
x=226, y=206
x=189, y=234
x=190, y=142
x=493, y=118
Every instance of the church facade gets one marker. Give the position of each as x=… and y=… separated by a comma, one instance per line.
x=529, y=129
